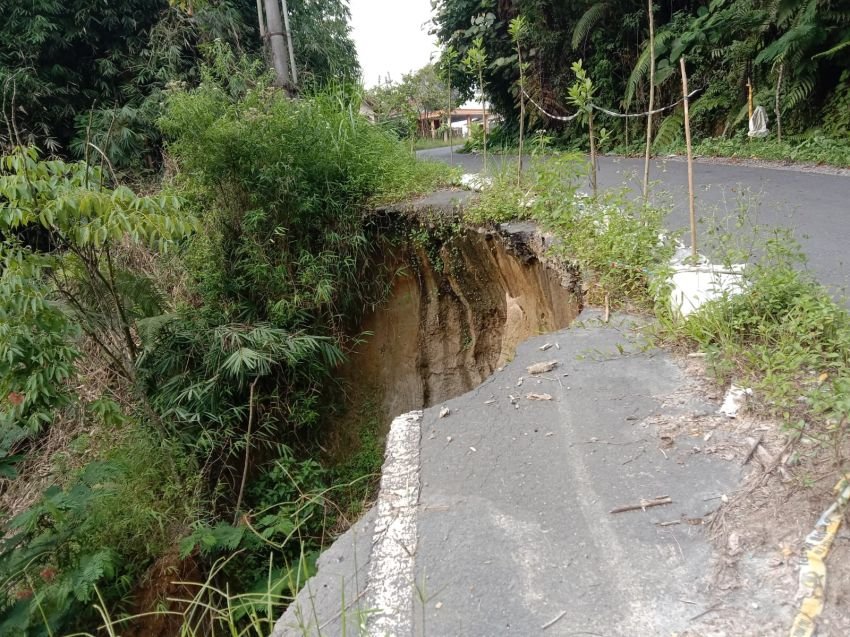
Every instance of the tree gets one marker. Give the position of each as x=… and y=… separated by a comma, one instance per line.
x=412, y=100
x=475, y=62
x=448, y=62
x=725, y=41
x=87, y=71
x=581, y=95
x=74, y=70
x=519, y=32
x=87, y=222
x=321, y=40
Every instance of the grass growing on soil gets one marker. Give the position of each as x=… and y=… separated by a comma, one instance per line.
x=613, y=239
x=813, y=149
x=785, y=336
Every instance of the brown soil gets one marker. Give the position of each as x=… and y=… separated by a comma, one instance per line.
x=162, y=583
x=452, y=319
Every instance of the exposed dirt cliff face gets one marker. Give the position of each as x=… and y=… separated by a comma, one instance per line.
x=456, y=314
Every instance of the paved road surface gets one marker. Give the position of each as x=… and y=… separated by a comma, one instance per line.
x=816, y=206
x=496, y=518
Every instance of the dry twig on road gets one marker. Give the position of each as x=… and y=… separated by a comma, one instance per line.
x=644, y=504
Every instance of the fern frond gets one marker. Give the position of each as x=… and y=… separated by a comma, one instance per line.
x=587, y=21
x=799, y=92
x=832, y=51
x=642, y=65
x=791, y=42
x=670, y=130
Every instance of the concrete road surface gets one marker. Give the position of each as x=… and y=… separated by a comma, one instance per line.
x=816, y=206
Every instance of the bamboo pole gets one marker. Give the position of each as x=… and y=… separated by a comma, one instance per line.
x=690, y=159
x=750, y=98
x=749, y=107
x=651, y=102
x=776, y=107
x=593, y=181
x=521, y=110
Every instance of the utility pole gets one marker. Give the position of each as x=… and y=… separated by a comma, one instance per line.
x=290, y=45
x=262, y=20
x=277, y=43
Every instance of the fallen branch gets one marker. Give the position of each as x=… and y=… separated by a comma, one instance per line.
x=670, y=523
x=644, y=504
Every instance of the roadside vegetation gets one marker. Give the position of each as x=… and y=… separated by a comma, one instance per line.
x=809, y=149
x=176, y=302
x=795, y=56
x=785, y=335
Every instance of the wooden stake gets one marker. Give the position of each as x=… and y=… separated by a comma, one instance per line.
x=651, y=102
x=690, y=159
x=750, y=97
x=593, y=166
x=777, y=109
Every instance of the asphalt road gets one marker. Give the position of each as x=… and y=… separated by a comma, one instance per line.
x=498, y=521
x=815, y=206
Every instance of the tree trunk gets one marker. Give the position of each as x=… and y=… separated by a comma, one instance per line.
x=277, y=42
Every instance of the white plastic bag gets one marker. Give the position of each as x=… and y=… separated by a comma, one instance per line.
x=758, y=123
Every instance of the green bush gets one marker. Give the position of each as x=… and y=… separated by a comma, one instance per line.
x=781, y=331
x=283, y=185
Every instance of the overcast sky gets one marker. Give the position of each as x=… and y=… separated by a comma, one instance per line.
x=391, y=37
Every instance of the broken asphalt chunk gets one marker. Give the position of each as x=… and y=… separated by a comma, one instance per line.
x=542, y=368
